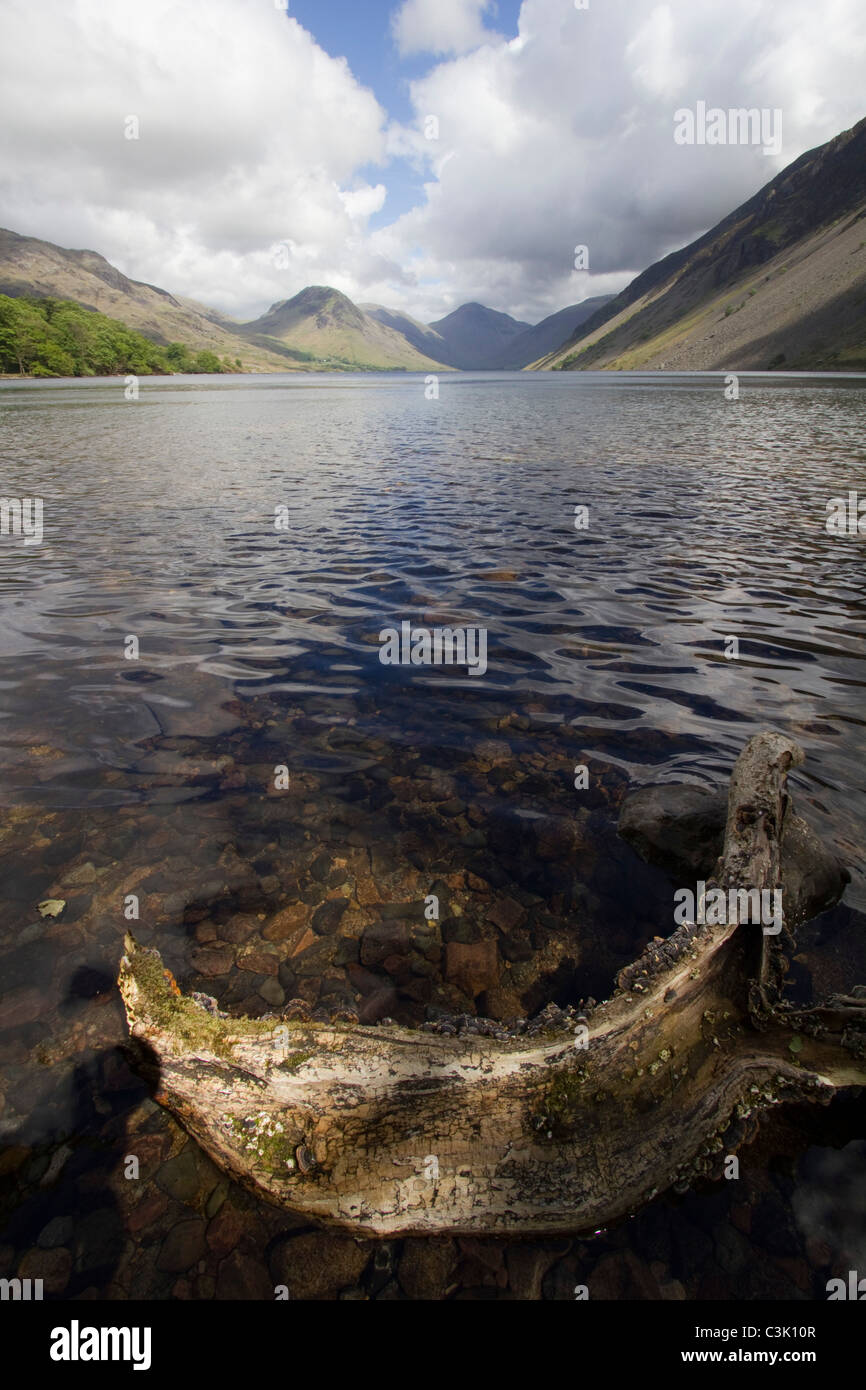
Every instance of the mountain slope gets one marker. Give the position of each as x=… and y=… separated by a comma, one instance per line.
x=473, y=331
x=425, y=339
x=59, y=338
x=30, y=268
x=476, y=337
x=549, y=334
x=781, y=281
x=325, y=323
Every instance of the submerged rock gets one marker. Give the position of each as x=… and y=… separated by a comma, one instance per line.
x=678, y=828
x=681, y=829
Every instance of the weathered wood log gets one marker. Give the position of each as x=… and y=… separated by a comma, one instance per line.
x=389, y=1130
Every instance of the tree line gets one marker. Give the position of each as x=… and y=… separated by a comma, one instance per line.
x=57, y=337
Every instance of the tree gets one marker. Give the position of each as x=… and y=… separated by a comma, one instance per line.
x=57, y=337
x=206, y=361
x=179, y=357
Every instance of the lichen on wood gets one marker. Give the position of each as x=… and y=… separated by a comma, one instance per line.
x=389, y=1130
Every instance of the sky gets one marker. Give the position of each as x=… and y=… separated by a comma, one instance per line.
x=413, y=153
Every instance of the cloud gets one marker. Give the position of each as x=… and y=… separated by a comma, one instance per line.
x=564, y=136
x=440, y=26
x=361, y=203
x=251, y=136
x=248, y=134
x=656, y=64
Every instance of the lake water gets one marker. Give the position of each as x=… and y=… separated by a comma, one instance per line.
x=608, y=647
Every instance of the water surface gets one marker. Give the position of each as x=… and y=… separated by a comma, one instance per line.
x=258, y=649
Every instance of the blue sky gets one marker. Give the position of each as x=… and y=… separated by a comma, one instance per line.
x=360, y=32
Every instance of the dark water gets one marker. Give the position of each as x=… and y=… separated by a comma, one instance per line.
x=258, y=648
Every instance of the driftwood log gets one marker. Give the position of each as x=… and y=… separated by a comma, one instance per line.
x=389, y=1130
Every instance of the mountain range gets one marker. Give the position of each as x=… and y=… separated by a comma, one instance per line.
x=779, y=282
x=325, y=323
x=318, y=329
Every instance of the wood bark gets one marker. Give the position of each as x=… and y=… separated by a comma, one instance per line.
x=392, y=1131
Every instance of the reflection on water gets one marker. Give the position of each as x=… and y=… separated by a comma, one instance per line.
x=258, y=649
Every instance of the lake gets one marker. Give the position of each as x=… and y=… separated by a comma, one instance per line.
x=198, y=728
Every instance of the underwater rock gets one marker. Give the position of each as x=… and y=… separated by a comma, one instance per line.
x=681, y=828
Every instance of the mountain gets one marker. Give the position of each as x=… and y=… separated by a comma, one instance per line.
x=319, y=328
x=34, y=269
x=476, y=337
x=420, y=335
x=780, y=282
x=325, y=323
x=550, y=333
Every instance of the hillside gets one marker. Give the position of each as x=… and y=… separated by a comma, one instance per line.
x=423, y=338
x=319, y=329
x=549, y=334
x=59, y=338
x=476, y=337
x=325, y=323
x=780, y=282
x=34, y=269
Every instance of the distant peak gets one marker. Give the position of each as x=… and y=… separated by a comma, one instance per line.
x=316, y=294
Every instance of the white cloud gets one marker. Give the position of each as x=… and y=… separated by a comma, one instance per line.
x=440, y=26
x=564, y=136
x=250, y=135
x=656, y=64
x=361, y=203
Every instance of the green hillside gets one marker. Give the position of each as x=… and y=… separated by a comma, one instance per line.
x=57, y=337
x=33, y=269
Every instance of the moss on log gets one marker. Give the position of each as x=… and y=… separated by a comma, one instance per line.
x=388, y=1130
